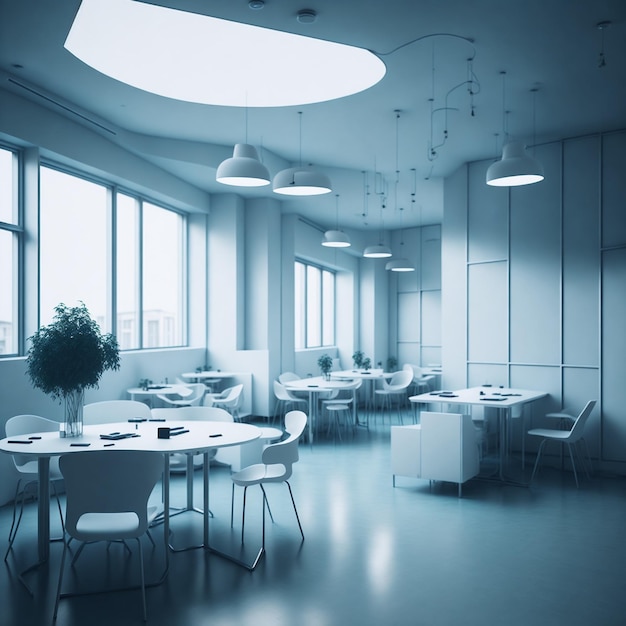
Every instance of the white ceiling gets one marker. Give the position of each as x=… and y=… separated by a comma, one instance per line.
x=552, y=45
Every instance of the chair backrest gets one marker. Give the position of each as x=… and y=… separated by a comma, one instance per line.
x=280, y=392
x=109, y=481
x=24, y=424
x=416, y=370
x=109, y=411
x=197, y=394
x=207, y=413
x=286, y=377
x=578, y=427
x=399, y=381
x=286, y=452
x=233, y=399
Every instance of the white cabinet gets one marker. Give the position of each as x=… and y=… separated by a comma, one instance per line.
x=442, y=447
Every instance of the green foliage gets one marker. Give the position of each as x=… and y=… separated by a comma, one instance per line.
x=367, y=363
x=325, y=363
x=357, y=359
x=392, y=364
x=70, y=353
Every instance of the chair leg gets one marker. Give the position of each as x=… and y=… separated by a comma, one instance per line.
x=143, y=581
x=58, y=595
x=243, y=512
x=571, y=456
x=295, y=510
x=541, y=445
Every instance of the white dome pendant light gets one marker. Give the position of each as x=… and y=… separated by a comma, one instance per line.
x=243, y=169
x=336, y=238
x=301, y=181
x=516, y=167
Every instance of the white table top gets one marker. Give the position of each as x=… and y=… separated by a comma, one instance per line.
x=486, y=396
x=201, y=436
x=365, y=374
x=209, y=374
x=153, y=390
x=316, y=383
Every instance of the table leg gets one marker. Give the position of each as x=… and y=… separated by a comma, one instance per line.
x=43, y=509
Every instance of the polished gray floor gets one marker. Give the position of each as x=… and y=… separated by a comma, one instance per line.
x=416, y=554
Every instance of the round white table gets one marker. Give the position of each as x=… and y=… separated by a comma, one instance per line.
x=198, y=436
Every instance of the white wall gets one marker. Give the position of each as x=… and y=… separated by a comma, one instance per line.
x=534, y=284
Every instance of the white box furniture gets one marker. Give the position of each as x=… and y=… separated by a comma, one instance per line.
x=442, y=447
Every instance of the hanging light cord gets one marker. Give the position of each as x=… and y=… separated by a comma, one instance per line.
x=423, y=37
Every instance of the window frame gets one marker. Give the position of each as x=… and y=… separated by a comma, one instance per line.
x=302, y=307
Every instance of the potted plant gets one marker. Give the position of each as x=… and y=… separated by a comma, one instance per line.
x=325, y=363
x=367, y=363
x=68, y=356
x=357, y=359
x=392, y=364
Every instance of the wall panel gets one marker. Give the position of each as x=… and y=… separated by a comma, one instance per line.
x=488, y=217
x=613, y=353
x=613, y=190
x=581, y=270
x=487, y=311
x=535, y=266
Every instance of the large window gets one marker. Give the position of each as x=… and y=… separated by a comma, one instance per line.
x=10, y=240
x=78, y=247
x=150, y=274
x=314, y=295
x=74, y=246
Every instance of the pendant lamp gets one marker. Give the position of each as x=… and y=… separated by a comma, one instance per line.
x=515, y=168
x=377, y=251
x=400, y=265
x=243, y=169
x=336, y=238
x=301, y=181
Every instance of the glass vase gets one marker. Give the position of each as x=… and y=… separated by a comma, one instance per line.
x=73, y=419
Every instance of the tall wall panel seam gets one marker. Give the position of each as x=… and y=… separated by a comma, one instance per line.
x=600, y=291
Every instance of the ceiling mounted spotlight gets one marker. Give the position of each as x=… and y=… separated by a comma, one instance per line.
x=306, y=16
x=256, y=4
x=301, y=181
x=243, y=169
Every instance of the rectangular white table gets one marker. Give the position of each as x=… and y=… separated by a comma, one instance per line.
x=502, y=399
x=202, y=437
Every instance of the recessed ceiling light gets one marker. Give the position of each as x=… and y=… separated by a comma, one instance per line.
x=197, y=58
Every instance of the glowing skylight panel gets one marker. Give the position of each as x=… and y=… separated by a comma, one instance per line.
x=207, y=60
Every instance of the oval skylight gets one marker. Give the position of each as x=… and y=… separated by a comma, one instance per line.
x=207, y=60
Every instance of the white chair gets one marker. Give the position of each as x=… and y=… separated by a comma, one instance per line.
x=28, y=468
x=192, y=399
x=112, y=508
x=179, y=461
x=285, y=400
x=276, y=467
x=344, y=403
x=442, y=447
x=230, y=399
x=110, y=411
x=287, y=377
x=569, y=438
x=421, y=381
x=395, y=389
